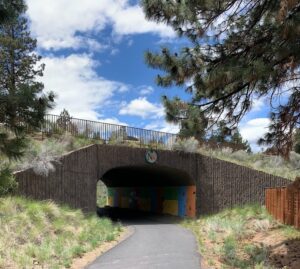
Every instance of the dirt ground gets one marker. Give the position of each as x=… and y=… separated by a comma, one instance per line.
x=282, y=252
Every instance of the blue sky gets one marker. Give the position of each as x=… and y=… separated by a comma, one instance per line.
x=94, y=56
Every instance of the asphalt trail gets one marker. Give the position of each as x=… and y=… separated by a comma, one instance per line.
x=154, y=244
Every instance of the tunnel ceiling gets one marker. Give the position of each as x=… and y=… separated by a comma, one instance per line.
x=146, y=176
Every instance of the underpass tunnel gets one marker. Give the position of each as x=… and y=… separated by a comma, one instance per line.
x=152, y=188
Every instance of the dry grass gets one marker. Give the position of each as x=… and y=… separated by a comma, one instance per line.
x=274, y=165
x=41, y=154
x=45, y=235
x=244, y=237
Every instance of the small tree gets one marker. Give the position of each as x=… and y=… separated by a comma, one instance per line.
x=237, y=141
x=227, y=137
x=221, y=134
x=65, y=124
x=64, y=119
x=115, y=138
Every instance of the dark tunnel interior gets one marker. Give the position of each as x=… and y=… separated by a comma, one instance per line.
x=151, y=188
x=146, y=175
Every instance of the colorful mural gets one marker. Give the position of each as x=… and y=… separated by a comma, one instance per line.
x=177, y=201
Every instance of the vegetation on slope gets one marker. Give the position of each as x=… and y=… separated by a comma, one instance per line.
x=271, y=164
x=39, y=154
x=45, y=235
x=245, y=237
x=40, y=151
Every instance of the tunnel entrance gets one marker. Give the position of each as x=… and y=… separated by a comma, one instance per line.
x=155, y=189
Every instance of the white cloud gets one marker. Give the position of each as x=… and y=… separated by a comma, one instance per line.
x=130, y=43
x=141, y=107
x=123, y=88
x=254, y=129
x=145, y=90
x=59, y=24
x=163, y=126
x=131, y=20
x=258, y=104
x=113, y=121
x=114, y=52
x=78, y=87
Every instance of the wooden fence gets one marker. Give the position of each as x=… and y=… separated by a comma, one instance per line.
x=284, y=203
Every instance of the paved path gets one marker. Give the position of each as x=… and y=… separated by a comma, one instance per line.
x=153, y=245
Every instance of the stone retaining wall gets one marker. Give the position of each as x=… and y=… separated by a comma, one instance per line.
x=219, y=184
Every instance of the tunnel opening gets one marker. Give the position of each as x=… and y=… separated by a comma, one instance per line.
x=151, y=188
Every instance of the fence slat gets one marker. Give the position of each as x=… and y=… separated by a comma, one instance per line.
x=284, y=204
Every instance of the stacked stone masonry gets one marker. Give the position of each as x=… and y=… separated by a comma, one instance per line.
x=219, y=184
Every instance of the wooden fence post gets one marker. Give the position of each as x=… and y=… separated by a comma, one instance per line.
x=284, y=203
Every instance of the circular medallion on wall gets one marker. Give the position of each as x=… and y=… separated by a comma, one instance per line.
x=151, y=156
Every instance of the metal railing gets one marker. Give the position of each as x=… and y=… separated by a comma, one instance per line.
x=108, y=133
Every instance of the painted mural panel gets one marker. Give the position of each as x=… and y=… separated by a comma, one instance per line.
x=177, y=201
x=191, y=201
x=170, y=207
x=182, y=201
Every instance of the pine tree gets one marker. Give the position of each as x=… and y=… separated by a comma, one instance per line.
x=10, y=9
x=22, y=101
x=228, y=137
x=221, y=134
x=239, y=51
x=191, y=120
x=64, y=119
x=237, y=140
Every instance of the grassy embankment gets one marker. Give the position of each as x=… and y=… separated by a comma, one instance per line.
x=274, y=165
x=42, y=234
x=246, y=237
x=39, y=154
x=45, y=235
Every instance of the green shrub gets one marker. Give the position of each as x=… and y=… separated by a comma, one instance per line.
x=257, y=255
x=228, y=250
x=186, y=145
